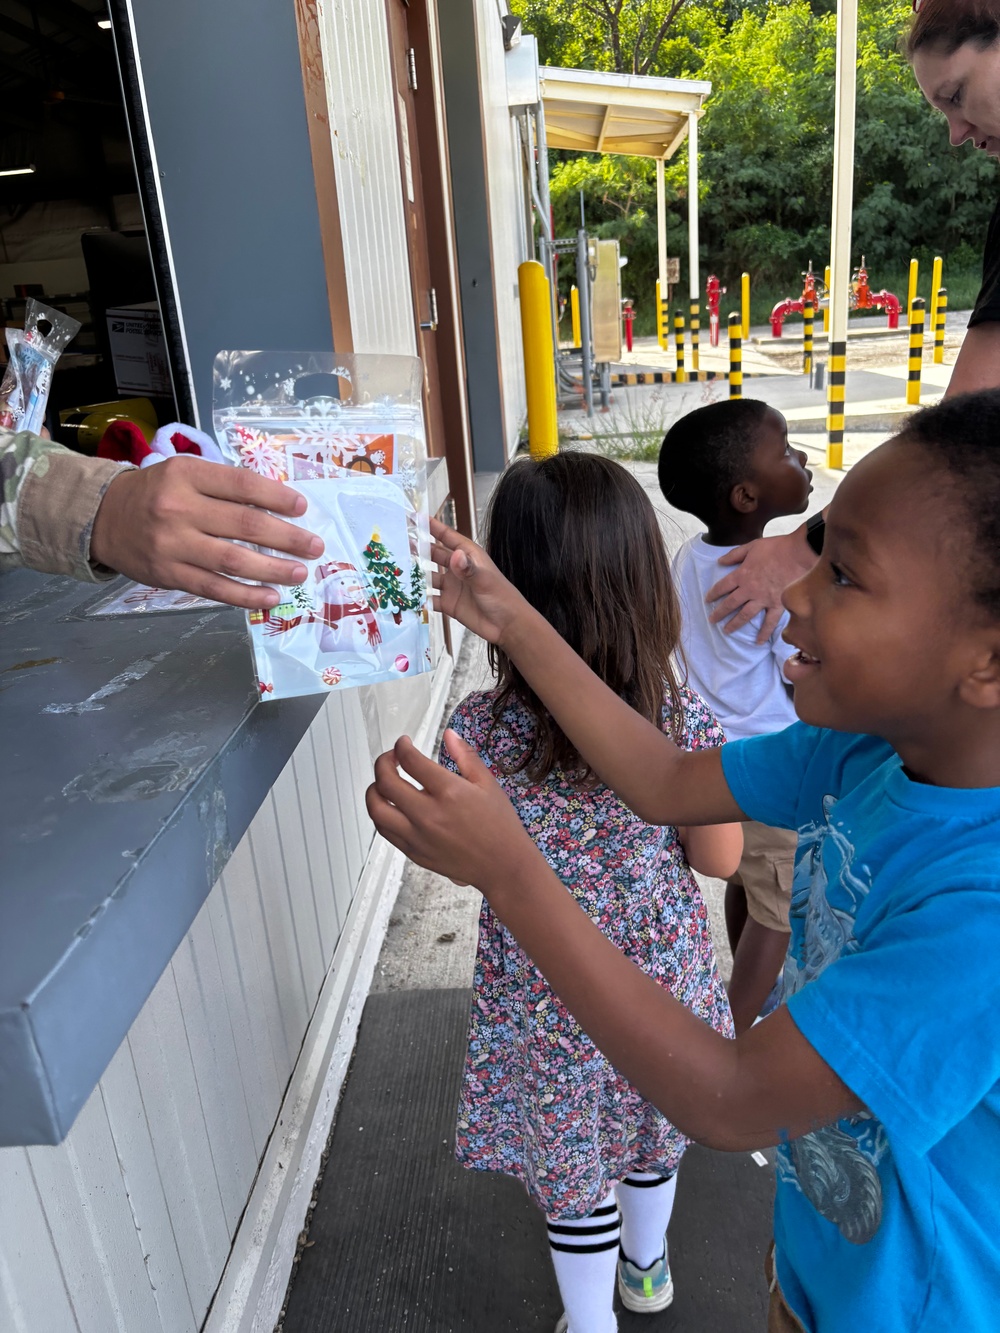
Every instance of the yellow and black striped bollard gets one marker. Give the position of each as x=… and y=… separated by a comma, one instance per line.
x=807, y=339
x=836, y=381
x=735, y=355
x=695, y=334
x=679, y=347
x=942, y=315
x=916, y=352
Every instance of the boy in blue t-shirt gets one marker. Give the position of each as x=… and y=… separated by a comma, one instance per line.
x=880, y=1076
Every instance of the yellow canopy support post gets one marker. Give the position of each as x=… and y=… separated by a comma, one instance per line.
x=745, y=304
x=539, y=359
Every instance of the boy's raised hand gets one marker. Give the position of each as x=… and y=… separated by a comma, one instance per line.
x=469, y=586
x=460, y=826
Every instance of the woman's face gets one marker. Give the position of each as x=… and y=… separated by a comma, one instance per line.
x=966, y=87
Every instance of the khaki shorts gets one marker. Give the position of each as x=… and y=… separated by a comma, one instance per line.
x=780, y=1318
x=765, y=873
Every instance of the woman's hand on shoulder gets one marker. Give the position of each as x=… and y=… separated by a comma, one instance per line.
x=470, y=588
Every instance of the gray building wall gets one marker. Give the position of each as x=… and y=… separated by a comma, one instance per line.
x=223, y=90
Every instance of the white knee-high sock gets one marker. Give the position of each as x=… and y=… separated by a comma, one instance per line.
x=585, y=1255
x=646, y=1202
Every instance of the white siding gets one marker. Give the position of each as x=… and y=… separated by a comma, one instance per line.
x=128, y=1225
x=369, y=191
x=505, y=187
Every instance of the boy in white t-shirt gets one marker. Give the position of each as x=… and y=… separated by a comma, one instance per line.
x=730, y=464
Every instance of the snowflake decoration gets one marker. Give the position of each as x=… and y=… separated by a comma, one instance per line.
x=225, y=384
x=331, y=675
x=377, y=457
x=259, y=455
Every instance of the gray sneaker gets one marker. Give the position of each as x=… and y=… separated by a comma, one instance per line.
x=645, y=1290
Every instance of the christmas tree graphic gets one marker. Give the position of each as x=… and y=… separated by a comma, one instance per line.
x=301, y=598
x=385, y=576
x=417, y=587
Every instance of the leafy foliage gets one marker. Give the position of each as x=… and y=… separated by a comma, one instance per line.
x=767, y=140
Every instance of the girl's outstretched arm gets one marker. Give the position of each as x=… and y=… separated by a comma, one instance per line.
x=661, y=783
x=767, y=1085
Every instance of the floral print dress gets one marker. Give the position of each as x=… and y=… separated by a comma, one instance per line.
x=539, y=1102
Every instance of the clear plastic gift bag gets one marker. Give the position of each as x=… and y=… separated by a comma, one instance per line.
x=347, y=432
x=33, y=352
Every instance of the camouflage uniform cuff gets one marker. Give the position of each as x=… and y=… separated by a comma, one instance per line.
x=56, y=511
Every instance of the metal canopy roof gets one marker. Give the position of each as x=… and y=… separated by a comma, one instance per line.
x=593, y=112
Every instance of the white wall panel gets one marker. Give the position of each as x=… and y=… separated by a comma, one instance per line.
x=362, y=104
x=505, y=188
x=127, y=1226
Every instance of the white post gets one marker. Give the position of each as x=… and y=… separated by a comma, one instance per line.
x=843, y=204
x=661, y=226
x=693, y=262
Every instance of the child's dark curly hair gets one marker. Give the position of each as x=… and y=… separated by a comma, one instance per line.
x=962, y=437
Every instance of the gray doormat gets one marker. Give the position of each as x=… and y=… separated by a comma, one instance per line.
x=404, y=1240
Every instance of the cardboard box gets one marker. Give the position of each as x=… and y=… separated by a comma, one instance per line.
x=138, y=350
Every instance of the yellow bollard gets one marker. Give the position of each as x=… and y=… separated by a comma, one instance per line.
x=935, y=288
x=916, y=352
x=681, y=377
x=695, y=333
x=826, y=308
x=662, y=318
x=735, y=356
x=942, y=316
x=539, y=359
x=574, y=315
x=807, y=339
x=911, y=291
x=836, y=382
x=745, y=303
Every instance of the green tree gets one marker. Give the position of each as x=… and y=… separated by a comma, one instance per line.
x=385, y=577
x=418, y=587
x=767, y=145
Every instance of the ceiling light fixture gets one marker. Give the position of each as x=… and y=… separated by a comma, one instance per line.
x=16, y=171
x=104, y=23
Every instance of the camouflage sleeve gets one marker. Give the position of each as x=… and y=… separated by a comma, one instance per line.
x=49, y=498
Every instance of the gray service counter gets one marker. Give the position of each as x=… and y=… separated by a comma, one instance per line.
x=135, y=755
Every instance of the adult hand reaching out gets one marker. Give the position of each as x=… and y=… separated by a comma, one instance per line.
x=176, y=525
x=763, y=570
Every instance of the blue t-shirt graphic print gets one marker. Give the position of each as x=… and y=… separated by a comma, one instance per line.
x=835, y=1167
x=888, y=1222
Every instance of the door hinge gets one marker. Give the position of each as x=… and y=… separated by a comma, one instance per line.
x=432, y=302
x=411, y=68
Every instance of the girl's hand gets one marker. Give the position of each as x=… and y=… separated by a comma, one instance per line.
x=469, y=586
x=463, y=827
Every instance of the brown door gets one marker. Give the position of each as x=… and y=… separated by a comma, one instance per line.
x=427, y=209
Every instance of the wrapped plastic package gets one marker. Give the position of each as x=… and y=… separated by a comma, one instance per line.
x=348, y=433
x=33, y=352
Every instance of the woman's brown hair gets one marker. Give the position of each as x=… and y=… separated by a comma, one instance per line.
x=577, y=536
x=949, y=24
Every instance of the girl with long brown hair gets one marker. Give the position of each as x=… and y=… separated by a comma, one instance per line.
x=578, y=537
